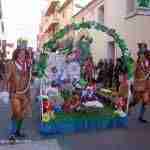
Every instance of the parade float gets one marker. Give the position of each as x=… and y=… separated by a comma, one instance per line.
x=70, y=99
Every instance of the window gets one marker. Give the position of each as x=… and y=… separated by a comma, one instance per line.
x=137, y=7
x=130, y=6
x=101, y=14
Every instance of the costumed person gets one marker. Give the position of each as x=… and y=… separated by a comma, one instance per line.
x=99, y=69
x=106, y=72
x=84, y=45
x=29, y=57
x=18, y=78
x=141, y=89
x=88, y=69
x=110, y=73
x=123, y=90
x=118, y=69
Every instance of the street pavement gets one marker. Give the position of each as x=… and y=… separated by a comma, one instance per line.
x=135, y=137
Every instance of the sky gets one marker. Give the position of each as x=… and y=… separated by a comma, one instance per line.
x=22, y=18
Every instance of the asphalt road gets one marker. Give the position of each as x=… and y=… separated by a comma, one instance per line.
x=135, y=137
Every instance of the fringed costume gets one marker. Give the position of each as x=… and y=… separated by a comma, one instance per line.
x=141, y=88
x=19, y=77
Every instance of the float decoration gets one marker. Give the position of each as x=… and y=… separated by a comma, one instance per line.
x=81, y=118
x=99, y=27
x=42, y=64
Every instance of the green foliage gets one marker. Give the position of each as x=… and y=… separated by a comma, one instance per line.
x=42, y=65
x=143, y=3
x=99, y=27
x=105, y=113
x=66, y=94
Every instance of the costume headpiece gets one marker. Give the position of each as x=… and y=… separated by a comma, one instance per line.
x=22, y=43
x=142, y=48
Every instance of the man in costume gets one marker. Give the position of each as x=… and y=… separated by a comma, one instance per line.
x=19, y=77
x=141, y=87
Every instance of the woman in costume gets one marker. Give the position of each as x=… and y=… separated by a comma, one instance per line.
x=88, y=69
x=19, y=76
x=84, y=44
x=141, y=89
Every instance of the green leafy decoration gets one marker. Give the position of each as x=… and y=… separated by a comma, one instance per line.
x=85, y=25
x=143, y=3
x=66, y=94
x=42, y=65
x=50, y=44
x=76, y=26
x=99, y=27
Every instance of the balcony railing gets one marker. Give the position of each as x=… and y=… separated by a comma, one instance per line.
x=138, y=7
x=53, y=19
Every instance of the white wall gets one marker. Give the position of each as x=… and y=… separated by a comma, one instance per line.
x=133, y=30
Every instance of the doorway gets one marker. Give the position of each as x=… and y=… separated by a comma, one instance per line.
x=111, y=50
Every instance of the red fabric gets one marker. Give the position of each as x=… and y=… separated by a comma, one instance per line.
x=120, y=103
x=145, y=65
x=23, y=64
x=29, y=62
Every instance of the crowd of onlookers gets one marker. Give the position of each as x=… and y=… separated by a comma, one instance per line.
x=108, y=72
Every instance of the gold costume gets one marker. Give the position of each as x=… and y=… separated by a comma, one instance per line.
x=141, y=85
x=19, y=88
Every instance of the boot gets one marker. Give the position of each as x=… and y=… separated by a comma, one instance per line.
x=13, y=126
x=142, y=111
x=142, y=120
x=18, y=133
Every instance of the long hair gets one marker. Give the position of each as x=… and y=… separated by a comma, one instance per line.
x=16, y=53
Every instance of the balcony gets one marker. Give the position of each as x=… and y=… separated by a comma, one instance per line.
x=52, y=7
x=138, y=7
x=51, y=21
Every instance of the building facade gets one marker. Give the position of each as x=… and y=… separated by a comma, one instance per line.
x=49, y=22
x=130, y=18
x=58, y=14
